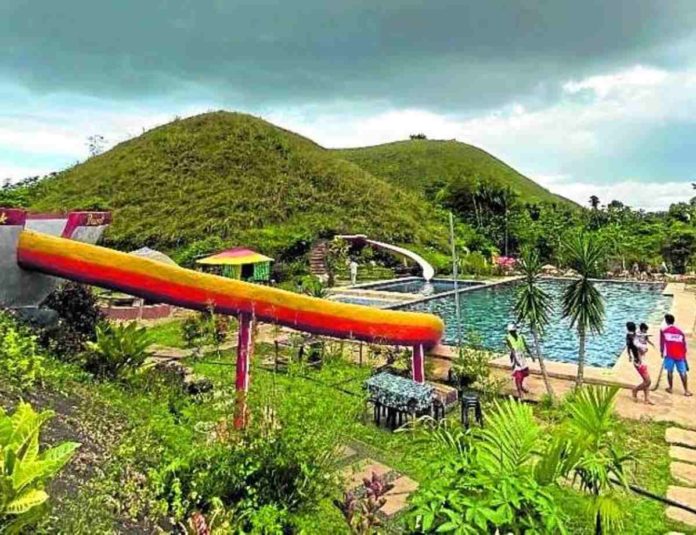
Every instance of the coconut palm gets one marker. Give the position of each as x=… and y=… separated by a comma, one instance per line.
x=533, y=307
x=583, y=305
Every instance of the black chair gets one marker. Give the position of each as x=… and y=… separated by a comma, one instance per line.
x=469, y=401
x=438, y=409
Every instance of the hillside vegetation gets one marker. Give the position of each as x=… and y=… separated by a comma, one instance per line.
x=242, y=179
x=428, y=166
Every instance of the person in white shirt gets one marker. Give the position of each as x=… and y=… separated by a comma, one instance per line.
x=353, y=268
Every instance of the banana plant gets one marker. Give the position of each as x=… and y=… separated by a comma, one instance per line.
x=25, y=468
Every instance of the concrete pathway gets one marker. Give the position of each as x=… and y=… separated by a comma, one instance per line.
x=683, y=469
x=360, y=468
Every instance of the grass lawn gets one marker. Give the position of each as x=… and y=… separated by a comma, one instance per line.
x=129, y=430
x=167, y=333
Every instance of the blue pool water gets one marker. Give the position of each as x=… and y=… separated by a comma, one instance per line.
x=487, y=311
x=420, y=286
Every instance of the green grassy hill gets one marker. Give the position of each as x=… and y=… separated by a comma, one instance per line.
x=240, y=178
x=425, y=166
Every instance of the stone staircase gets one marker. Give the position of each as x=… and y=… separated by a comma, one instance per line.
x=682, y=451
x=317, y=259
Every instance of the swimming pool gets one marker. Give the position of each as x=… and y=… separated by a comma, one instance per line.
x=419, y=286
x=486, y=312
x=365, y=301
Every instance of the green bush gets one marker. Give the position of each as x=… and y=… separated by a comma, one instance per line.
x=205, y=329
x=118, y=351
x=20, y=358
x=490, y=480
x=79, y=315
x=281, y=467
x=26, y=469
x=475, y=264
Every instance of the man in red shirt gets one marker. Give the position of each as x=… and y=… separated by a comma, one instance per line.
x=673, y=349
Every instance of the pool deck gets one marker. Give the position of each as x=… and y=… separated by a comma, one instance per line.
x=668, y=407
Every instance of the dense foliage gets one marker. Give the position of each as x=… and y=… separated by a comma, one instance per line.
x=227, y=179
x=489, y=481
x=21, y=361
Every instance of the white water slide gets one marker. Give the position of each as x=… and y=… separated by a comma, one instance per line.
x=428, y=271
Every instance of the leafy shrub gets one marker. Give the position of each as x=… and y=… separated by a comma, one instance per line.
x=26, y=470
x=79, y=315
x=489, y=480
x=205, y=329
x=281, y=465
x=476, y=264
x=119, y=350
x=471, y=367
x=20, y=359
x=315, y=288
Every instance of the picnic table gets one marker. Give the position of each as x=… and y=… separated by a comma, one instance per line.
x=398, y=396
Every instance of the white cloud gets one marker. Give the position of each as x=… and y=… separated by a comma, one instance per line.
x=18, y=172
x=587, y=126
x=648, y=196
x=633, y=78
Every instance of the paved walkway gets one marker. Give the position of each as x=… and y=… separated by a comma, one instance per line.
x=683, y=469
x=360, y=467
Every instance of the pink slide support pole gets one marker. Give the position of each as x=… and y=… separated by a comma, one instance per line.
x=245, y=348
x=418, y=364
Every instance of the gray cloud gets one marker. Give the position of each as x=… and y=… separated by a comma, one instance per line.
x=435, y=54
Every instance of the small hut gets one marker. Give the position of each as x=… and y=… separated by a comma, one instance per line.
x=238, y=263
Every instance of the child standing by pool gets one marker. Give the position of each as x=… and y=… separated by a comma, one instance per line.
x=518, y=349
x=634, y=345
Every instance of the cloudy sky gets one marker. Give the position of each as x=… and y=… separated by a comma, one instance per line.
x=586, y=97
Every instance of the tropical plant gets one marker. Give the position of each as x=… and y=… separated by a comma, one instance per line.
x=533, y=307
x=583, y=305
x=361, y=509
x=592, y=454
x=315, y=288
x=20, y=359
x=118, y=351
x=25, y=468
x=487, y=480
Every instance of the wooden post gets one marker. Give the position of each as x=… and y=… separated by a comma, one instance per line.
x=245, y=347
x=418, y=364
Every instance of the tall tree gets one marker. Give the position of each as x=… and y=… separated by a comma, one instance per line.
x=583, y=305
x=594, y=202
x=533, y=307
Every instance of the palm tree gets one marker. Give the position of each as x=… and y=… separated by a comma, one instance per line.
x=583, y=305
x=593, y=454
x=533, y=307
